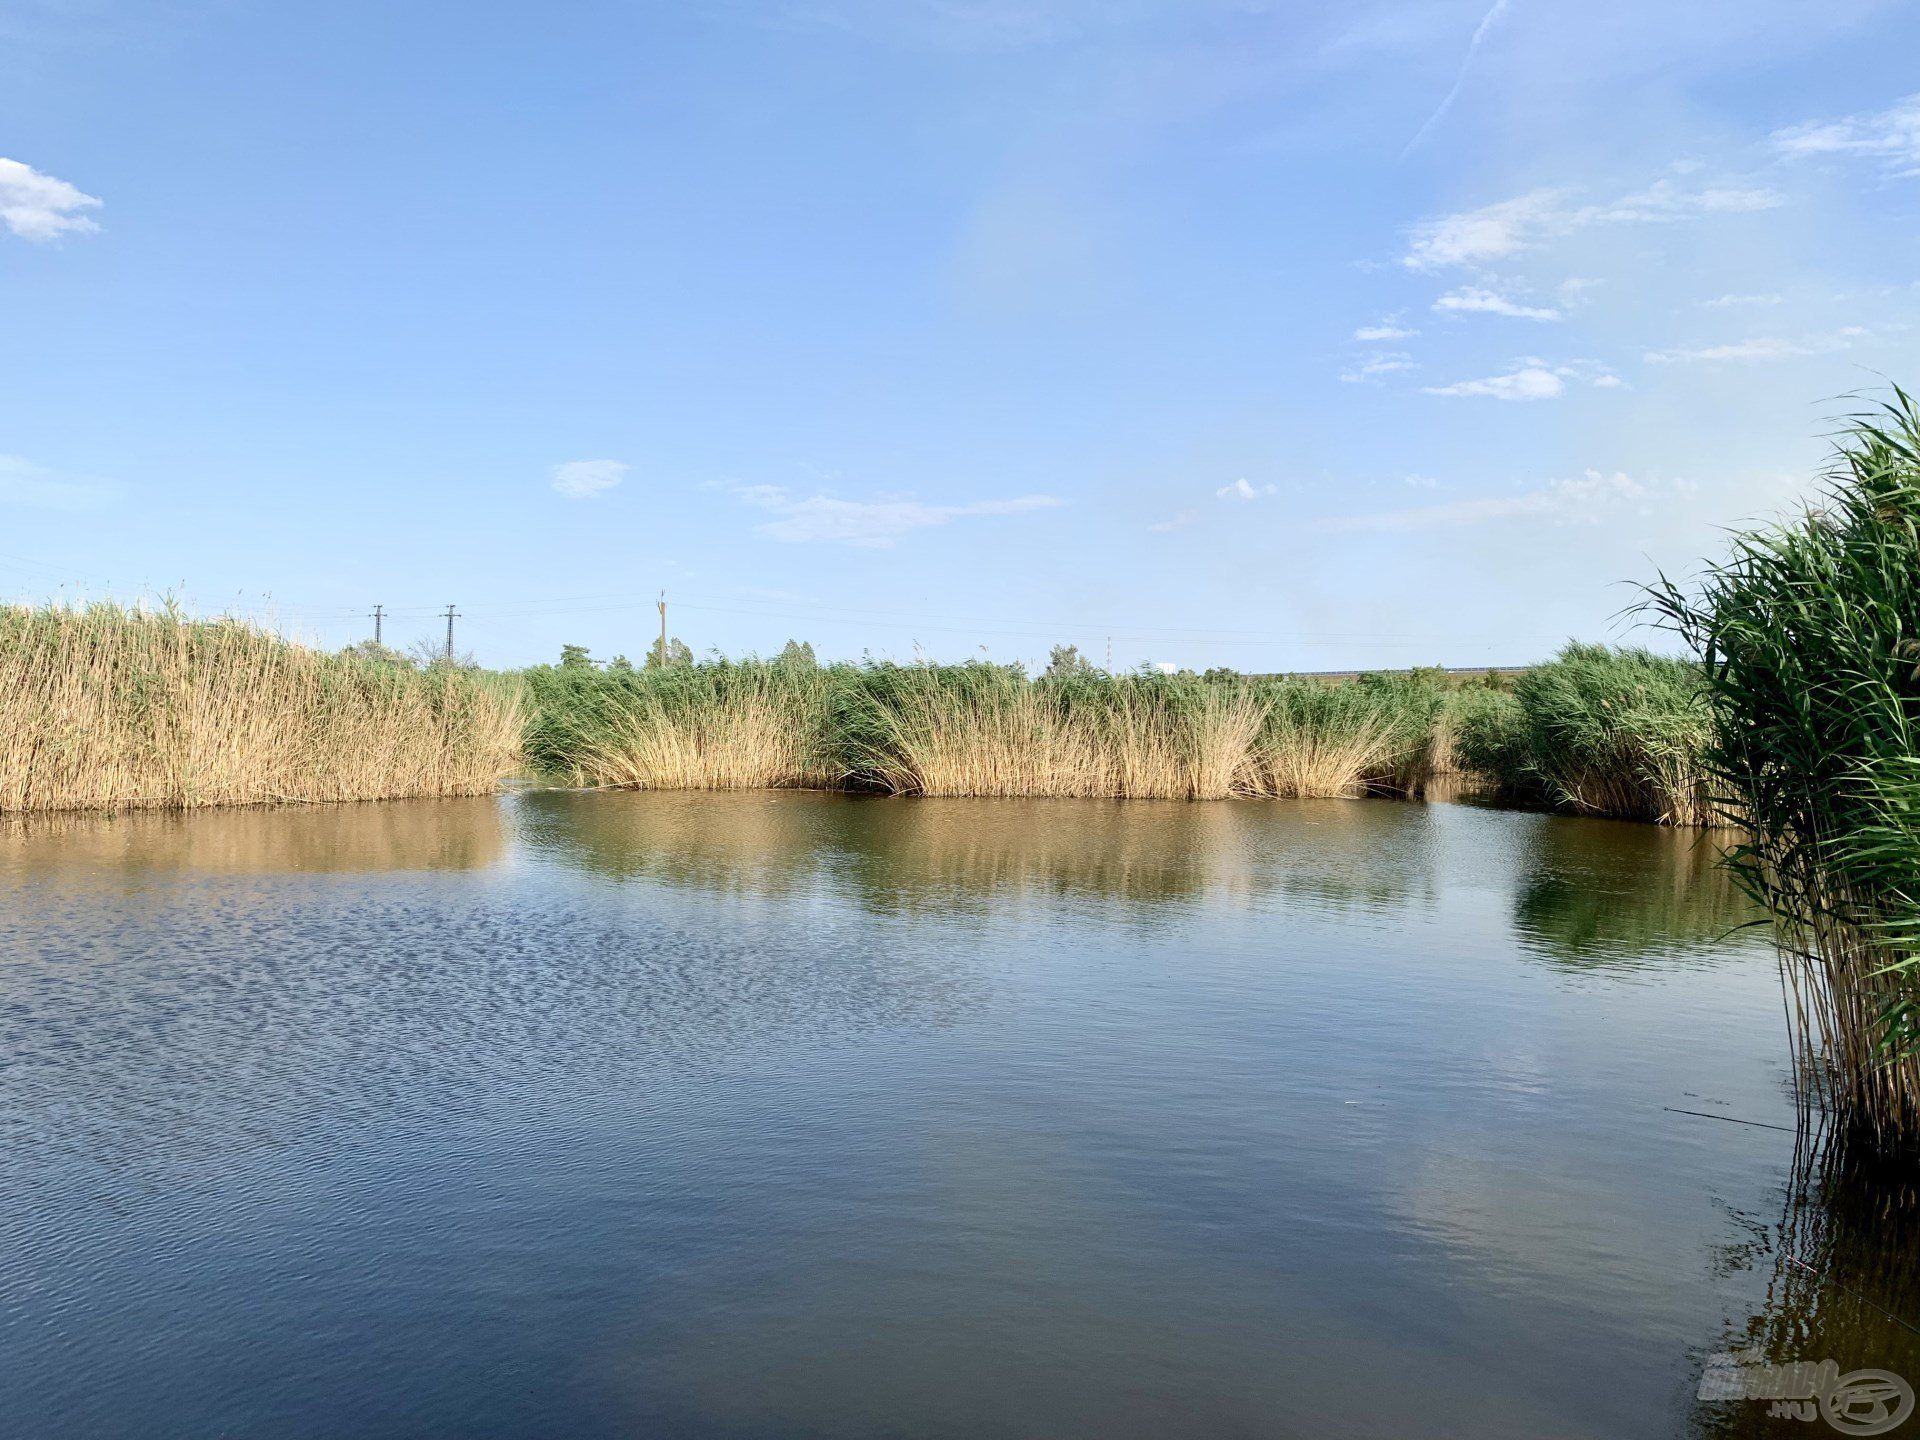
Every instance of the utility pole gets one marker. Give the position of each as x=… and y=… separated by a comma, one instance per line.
x=452, y=615
x=1109, y=654
x=661, y=653
x=378, y=612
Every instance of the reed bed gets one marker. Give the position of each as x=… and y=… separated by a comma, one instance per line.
x=1807, y=634
x=108, y=708
x=985, y=730
x=1329, y=740
x=969, y=730
x=707, y=727
x=1598, y=731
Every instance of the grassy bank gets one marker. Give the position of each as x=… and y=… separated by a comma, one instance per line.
x=1807, y=634
x=106, y=708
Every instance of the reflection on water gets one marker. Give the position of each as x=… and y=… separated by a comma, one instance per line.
x=378, y=835
x=780, y=1114
x=1611, y=894
x=1841, y=1269
x=1587, y=893
x=938, y=856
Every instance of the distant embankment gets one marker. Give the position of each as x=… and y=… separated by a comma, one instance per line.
x=106, y=708
x=1447, y=674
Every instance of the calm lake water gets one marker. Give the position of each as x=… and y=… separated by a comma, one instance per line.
x=795, y=1115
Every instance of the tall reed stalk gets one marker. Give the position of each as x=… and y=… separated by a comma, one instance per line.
x=1808, y=634
x=107, y=708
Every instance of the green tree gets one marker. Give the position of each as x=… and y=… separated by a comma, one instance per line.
x=1065, y=661
x=799, y=654
x=677, y=657
x=370, y=650
x=575, y=657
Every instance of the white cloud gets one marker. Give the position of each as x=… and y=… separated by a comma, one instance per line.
x=1508, y=227
x=1584, y=500
x=1241, y=490
x=1732, y=302
x=872, y=524
x=1381, y=362
x=1388, y=329
x=1472, y=300
x=1765, y=347
x=1664, y=201
x=1891, y=136
x=1176, y=522
x=1529, y=382
x=24, y=483
x=1492, y=232
x=39, y=207
x=584, y=479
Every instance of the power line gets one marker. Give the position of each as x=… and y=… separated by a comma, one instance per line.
x=893, y=620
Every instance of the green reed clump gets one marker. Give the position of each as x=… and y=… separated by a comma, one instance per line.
x=1491, y=742
x=1424, y=704
x=1810, y=637
x=1599, y=730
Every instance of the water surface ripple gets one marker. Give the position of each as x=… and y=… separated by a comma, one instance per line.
x=785, y=1115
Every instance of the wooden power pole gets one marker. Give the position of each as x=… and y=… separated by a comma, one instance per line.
x=661, y=653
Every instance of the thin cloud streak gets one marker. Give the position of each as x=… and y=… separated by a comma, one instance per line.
x=1764, y=347
x=586, y=479
x=1530, y=382
x=1585, y=499
x=869, y=524
x=1472, y=300
x=1486, y=24
x=1469, y=238
x=1892, y=136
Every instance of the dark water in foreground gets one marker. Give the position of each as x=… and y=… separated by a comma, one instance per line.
x=782, y=1115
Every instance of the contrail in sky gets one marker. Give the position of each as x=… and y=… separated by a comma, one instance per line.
x=1473, y=48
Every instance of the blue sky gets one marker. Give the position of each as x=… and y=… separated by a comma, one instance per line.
x=1281, y=336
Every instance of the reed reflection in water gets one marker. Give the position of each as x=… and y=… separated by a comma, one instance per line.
x=767, y=1114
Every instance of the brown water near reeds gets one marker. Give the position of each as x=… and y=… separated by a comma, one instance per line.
x=776, y=1114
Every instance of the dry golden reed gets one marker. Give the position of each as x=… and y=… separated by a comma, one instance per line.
x=758, y=737
x=972, y=730
x=108, y=708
